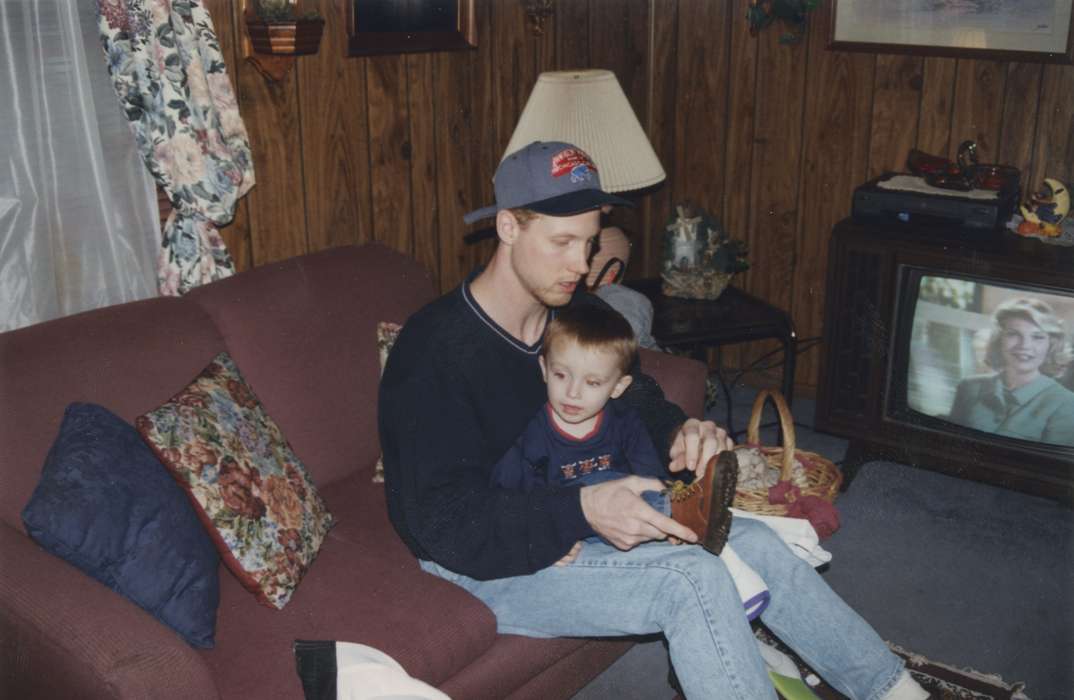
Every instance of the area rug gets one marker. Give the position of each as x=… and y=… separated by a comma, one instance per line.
x=942, y=681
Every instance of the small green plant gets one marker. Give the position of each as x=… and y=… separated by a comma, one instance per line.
x=275, y=10
x=282, y=11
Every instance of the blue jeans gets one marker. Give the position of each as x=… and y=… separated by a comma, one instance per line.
x=687, y=594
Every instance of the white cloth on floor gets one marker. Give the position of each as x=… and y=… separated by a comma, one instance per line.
x=797, y=533
x=365, y=673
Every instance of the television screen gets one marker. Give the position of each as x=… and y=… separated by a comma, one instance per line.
x=992, y=357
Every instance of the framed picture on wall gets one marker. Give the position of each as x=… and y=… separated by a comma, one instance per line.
x=404, y=26
x=1013, y=30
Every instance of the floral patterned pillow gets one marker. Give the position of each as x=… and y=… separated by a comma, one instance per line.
x=387, y=333
x=251, y=492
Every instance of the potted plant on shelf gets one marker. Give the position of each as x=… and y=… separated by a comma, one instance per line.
x=277, y=28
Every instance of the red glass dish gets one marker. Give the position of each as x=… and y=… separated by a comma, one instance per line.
x=995, y=177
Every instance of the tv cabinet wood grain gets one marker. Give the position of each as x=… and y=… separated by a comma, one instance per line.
x=866, y=347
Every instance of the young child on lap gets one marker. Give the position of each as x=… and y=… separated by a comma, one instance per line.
x=581, y=437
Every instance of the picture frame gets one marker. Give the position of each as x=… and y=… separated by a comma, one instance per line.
x=406, y=26
x=1040, y=31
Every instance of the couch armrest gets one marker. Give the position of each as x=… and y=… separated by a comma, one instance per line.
x=63, y=634
x=681, y=378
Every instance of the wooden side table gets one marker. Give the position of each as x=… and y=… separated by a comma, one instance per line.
x=695, y=325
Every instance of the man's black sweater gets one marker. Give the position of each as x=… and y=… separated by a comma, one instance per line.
x=456, y=393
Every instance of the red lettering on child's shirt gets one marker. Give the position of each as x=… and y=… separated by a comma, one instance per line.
x=599, y=463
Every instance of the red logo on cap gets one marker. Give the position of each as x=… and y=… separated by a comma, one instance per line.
x=573, y=161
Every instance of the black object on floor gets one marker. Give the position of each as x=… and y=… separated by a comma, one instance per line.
x=315, y=662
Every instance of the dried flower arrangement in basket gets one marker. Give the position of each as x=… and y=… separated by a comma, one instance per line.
x=699, y=257
x=785, y=480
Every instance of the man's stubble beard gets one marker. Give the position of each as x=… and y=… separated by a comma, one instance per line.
x=551, y=296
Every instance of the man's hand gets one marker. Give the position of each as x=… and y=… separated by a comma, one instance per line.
x=619, y=515
x=571, y=555
x=696, y=443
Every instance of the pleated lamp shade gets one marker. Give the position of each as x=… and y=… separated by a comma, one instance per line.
x=588, y=108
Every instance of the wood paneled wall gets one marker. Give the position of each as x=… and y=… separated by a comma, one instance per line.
x=769, y=137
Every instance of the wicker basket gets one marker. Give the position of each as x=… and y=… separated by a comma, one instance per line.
x=822, y=476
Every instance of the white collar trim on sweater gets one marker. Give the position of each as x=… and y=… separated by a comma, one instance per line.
x=487, y=320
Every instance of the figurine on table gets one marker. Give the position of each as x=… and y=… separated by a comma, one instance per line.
x=1045, y=210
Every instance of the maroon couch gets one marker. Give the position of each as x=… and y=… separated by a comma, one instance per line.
x=303, y=334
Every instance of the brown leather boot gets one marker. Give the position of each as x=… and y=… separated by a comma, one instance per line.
x=704, y=506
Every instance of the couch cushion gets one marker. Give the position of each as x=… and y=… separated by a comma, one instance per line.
x=682, y=379
x=248, y=487
x=365, y=587
x=129, y=358
x=106, y=505
x=303, y=332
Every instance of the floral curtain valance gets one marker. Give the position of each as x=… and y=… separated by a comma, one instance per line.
x=168, y=72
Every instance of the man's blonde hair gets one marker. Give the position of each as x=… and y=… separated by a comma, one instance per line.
x=523, y=216
x=593, y=326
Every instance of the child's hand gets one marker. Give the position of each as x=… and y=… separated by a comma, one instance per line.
x=571, y=555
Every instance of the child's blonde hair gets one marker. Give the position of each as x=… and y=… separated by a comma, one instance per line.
x=593, y=326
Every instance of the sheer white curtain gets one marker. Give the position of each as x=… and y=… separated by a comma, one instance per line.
x=79, y=225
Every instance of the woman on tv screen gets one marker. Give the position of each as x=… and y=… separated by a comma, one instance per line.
x=1027, y=349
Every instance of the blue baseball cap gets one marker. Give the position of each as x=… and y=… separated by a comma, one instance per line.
x=549, y=177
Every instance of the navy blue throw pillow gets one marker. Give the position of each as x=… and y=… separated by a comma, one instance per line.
x=108, y=506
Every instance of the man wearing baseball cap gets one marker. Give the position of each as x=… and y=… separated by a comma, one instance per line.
x=463, y=381
x=547, y=177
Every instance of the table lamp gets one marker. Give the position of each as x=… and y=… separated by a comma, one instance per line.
x=589, y=109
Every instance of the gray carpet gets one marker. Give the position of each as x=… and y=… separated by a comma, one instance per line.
x=967, y=574
x=964, y=573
